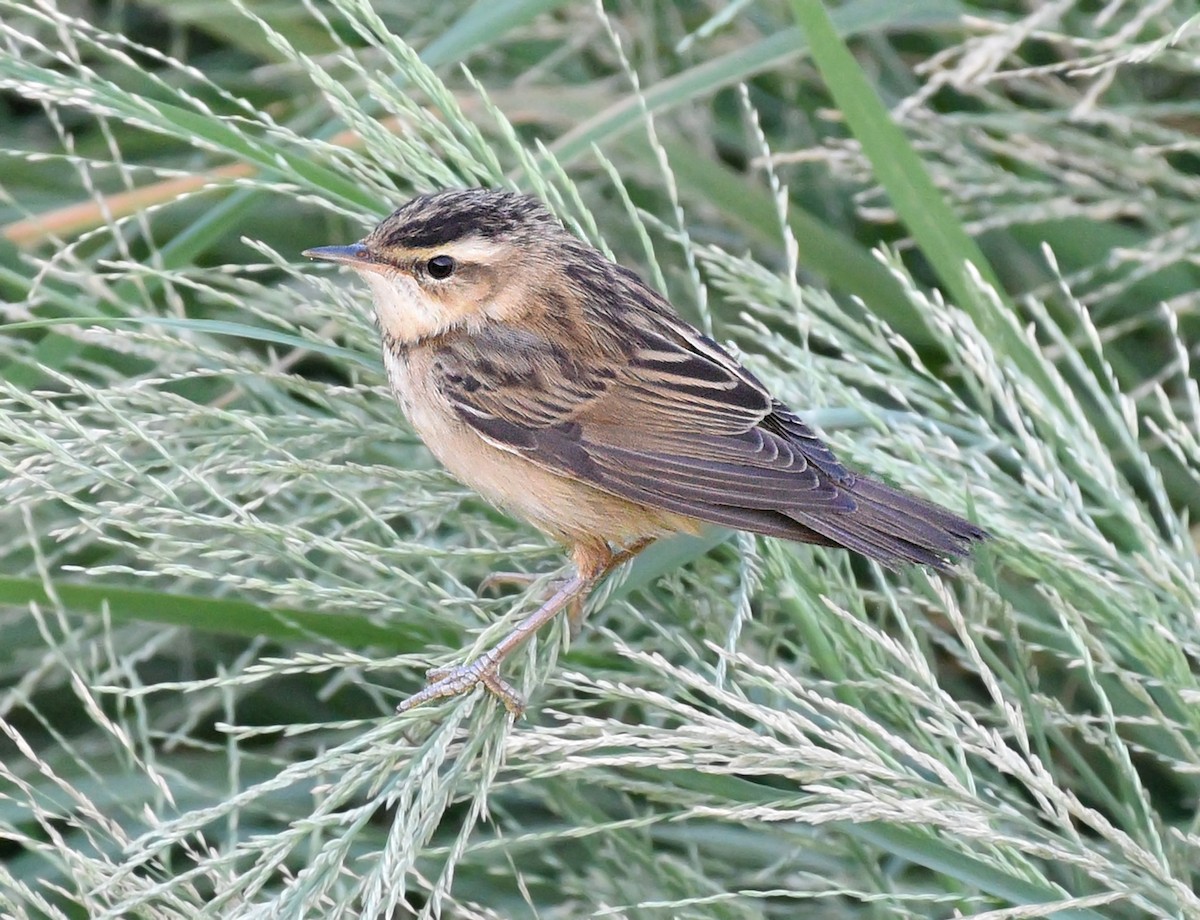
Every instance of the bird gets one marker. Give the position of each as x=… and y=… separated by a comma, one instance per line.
x=565, y=390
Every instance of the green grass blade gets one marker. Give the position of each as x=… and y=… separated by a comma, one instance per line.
x=920, y=205
x=735, y=66
x=211, y=614
x=210, y=326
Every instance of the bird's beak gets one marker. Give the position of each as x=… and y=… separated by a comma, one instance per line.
x=356, y=255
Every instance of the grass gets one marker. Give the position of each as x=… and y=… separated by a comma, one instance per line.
x=225, y=557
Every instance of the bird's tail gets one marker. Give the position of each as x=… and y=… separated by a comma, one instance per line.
x=893, y=527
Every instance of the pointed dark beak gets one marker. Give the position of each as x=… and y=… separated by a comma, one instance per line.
x=355, y=255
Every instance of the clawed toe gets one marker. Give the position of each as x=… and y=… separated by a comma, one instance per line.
x=456, y=680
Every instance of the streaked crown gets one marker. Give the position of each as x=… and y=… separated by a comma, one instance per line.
x=455, y=215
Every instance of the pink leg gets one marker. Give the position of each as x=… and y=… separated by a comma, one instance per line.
x=593, y=562
x=577, y=613
x=485, y=670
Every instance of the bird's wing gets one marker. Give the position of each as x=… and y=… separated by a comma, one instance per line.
x=668, y=419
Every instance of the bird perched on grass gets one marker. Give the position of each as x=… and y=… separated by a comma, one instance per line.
x=565, y=390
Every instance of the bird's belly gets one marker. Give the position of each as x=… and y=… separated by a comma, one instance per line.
x=568, y=509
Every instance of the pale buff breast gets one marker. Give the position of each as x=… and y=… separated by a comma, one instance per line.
x=567, y=509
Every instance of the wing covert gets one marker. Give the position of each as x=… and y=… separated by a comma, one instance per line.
x=670, y=420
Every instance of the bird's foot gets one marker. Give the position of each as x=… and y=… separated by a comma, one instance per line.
x=460, y=679
x=457, y=680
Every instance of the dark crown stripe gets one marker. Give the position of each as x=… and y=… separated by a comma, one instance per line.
x=447, y=217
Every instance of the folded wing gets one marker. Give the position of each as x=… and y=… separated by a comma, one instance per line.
x=671, y=420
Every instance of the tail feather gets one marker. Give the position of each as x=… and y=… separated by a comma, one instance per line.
x=893, y=527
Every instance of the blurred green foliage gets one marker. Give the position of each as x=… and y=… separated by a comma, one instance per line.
x=216, y=528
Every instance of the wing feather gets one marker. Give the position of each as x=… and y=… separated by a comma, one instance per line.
x=663, y=416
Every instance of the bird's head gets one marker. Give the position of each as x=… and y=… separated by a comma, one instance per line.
x=454, y=259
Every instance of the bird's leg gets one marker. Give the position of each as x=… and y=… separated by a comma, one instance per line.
x=458, y=679
x=576, y=612
x=575, y=609
x=592, y=562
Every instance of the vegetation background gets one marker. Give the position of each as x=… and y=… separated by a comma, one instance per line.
x=224, y=557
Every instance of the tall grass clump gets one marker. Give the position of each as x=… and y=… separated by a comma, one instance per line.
x=959, y=235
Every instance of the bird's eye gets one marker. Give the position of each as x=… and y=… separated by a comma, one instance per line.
x=440, y=267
